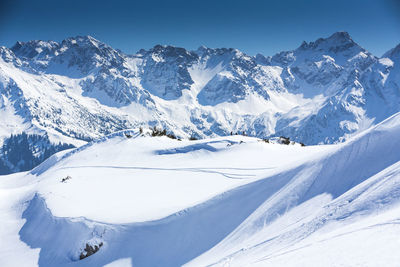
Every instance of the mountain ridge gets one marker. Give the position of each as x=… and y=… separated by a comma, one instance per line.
x=80, y=88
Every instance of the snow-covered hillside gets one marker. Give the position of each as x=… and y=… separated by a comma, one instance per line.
x=81, y=88
x=155, y=201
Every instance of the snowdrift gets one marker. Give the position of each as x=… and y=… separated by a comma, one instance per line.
x=359, y=180
x=225, y=201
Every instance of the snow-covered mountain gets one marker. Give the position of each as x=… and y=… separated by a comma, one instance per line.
x=81, y=89
x=129, y=199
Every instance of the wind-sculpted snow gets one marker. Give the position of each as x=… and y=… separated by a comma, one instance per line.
x=177, y=238
x=359, y=180
x=200, y=203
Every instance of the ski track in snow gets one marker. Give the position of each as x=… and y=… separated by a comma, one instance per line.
x=205, y=170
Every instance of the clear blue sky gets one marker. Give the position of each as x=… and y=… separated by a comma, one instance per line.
x=253, y=26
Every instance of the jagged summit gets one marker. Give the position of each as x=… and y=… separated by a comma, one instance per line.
x=39, y=48
x=169, y=51
x=78, y=55
x=338, y=41
x=35, y=43
x=78, y=40
x=341, y=35
x=393, y=54
x=35, y=49
x=263, y=60
x=201, y=48
x=339, y=46
x=83, y=41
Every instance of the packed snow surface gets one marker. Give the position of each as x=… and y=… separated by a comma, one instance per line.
x=226, y=201
x=144, y=178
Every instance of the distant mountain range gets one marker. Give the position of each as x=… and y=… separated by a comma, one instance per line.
x=81, y=89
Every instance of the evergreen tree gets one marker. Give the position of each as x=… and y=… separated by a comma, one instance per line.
x=22, y=152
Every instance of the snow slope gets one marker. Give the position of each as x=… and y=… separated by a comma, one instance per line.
x=154, y=201
x=323, y=213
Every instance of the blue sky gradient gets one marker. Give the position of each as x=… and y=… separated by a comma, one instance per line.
x=253, y=26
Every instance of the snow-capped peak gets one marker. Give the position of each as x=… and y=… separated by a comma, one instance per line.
x=36, y=49
x=337, y=42
x=85, y=42
x=339, y=46
x=393, y=54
